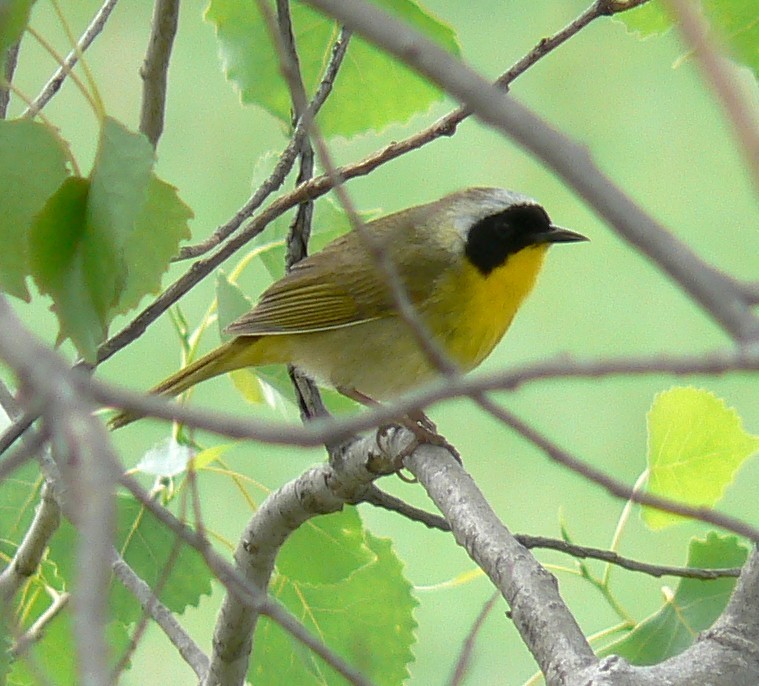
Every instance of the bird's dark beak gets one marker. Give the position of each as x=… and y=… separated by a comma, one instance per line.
x=556, y=234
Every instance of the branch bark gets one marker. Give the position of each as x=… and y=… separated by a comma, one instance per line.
x=321, y=490
x=156, y=67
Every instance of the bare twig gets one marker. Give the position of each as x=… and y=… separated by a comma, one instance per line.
x=317, y=433
x=614, y=558
x=719, y=73
x=718, y=294
x=465, y=656
x=378, y=498
x=11, y=59
x=237, y=584
x=184, y=644
x=286, y=159
x=56, y=80
x=28, y=556
x=156, y=67
x=37, y=630
x=151, y=608
x=309, y=399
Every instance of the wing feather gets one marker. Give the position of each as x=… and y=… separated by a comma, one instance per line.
x=331, y=289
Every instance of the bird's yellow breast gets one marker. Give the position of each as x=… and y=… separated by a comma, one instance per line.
x=473, y=311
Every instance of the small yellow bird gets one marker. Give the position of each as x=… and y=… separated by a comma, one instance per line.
x=466, y=262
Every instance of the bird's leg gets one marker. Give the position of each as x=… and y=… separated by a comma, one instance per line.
x=423, y=428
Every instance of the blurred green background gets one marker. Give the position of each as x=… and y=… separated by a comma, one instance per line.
x=654, y=129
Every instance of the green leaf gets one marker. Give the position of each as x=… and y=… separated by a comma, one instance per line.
x=737, y=24
x=57, y=247
x=32, y=167
x=102, y=243
x=649, y=19
x=147, y=546
x=325, y=550
x=14, y=16
x=54, y=654
x=693, y=608
x=695, y=446
x=367, y=619
x=231, y=303
x=159, y=227
x=118, y=193
x=372, y=89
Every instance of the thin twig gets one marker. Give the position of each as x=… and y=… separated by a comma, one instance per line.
x=285, y=162
x=37, y=630
x=56, y=80
x=155, y=68
x=336, y=429
x=614, y=558
x=465, y=656
x=377, y=497
x=187, y=648
x=149, y=610
x=611, y=485
x=11, y=60
x=719, y=73
x=309, y=399
x=29, y=553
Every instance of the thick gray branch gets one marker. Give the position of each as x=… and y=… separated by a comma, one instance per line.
x=545, y=623
x=320, y=490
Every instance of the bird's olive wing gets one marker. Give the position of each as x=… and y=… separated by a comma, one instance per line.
x=336, y=287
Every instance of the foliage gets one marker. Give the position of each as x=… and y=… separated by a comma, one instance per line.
x=96, y=244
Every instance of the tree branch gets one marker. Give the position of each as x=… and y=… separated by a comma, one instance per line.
x=325, y=430
x=718, y=294
x=89, y=471
x=165, y=619
x=156, y=67
x=11, y=59
x=29, y=554
x=321, y=490
x=545, y=623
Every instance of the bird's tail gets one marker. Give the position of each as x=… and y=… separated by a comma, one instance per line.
x=225, y=358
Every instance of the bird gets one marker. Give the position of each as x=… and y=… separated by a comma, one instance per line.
x=466, y=262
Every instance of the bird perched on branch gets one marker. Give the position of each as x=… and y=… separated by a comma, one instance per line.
x=466, y=263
